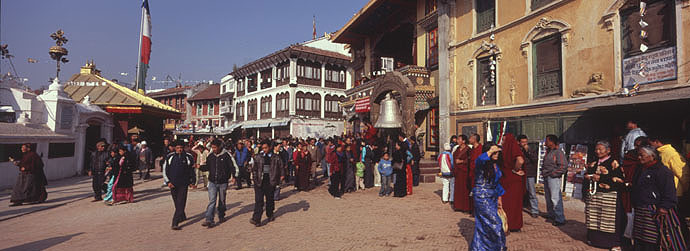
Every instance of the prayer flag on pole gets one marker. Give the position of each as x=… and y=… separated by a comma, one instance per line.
x=144, y=47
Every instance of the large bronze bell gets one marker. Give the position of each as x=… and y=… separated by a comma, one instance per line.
x=389, y=114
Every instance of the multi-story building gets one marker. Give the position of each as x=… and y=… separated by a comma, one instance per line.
x=294, y=91
x=177, y=98
x=577, y=69
x=205, y=109
x=227, y=109
x=569, y=68
x=395, y=51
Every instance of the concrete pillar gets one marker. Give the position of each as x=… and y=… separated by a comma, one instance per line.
x=80, y=147
x=293, y=71
x=349, y=78
x=274, y=104
x=323, y=75
x=293, y=101
x=323, y=105
x=274, y=73
x=258, y=80
x=443, y=61
x=246, y=108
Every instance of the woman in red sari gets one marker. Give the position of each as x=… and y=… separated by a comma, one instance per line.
x=513, y=181
x=123, y=167
x=461, y=156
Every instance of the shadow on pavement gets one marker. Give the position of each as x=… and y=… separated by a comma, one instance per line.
x=293, y=207
x=150, y=194
x=245, y=209
x=466, y=229
x=573, y=229
x=32, y=208
x=43, y=244
x=439, y=193
x=194, y=219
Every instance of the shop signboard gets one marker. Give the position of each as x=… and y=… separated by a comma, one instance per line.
x=650, y=67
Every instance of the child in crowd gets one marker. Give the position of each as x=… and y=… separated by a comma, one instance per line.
x=445, y=161
x=359, y=176
x=385, y=168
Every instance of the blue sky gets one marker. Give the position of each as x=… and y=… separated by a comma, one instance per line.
x=199, y=39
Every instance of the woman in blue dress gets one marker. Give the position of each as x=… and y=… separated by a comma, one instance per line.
x=487, y=192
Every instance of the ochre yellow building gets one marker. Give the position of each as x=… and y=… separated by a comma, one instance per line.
x=559, y=66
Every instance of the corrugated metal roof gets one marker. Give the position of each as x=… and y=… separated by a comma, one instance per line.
x=102, y=91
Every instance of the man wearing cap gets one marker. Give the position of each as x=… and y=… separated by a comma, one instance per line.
x=145, y=158
x=97, y=170
x=178, y=173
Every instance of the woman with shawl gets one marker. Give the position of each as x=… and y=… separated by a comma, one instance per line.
x=487, y=192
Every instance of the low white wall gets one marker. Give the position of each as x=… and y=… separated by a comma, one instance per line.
x=315, y=128
x=54, y=169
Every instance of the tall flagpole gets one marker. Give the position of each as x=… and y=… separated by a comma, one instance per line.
x=141, y=29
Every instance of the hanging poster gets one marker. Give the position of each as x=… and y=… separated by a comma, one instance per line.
x=540, y=161
x=577, y=163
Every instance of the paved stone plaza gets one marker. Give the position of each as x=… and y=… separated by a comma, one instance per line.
x=305, y=221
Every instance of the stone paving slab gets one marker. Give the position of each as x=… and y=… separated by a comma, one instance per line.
x=60, y=193
x=304, y=221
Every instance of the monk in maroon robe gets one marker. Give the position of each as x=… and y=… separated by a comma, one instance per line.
x=302, y=160
x=31, y=182
x=513, y=181
x=474, y=155
x=461, y=200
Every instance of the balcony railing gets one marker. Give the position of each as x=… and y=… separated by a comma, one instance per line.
x=225, y=110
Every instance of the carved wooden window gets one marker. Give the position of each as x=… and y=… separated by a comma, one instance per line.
x=661, y=32
x=251, y=83
x=432, y=55
x=547, y=66
x=431, y=6
x=536, y=4
x=486, y=90
x=486, y=14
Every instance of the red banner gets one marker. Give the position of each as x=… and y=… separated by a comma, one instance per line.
x=362, y=105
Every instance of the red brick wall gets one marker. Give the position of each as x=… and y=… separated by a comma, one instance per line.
x=216, y=108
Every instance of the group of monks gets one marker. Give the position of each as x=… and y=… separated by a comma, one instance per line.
x=513, y=179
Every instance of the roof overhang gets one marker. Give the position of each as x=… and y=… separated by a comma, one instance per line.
x=373, y=13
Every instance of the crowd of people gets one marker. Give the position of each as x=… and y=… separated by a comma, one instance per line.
x=637, y=201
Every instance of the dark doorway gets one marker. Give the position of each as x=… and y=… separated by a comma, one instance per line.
x=93, y=134
x=398, y=45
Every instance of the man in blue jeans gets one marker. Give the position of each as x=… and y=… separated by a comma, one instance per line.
x=221, y=167
x=553, y=168
x=530, y=167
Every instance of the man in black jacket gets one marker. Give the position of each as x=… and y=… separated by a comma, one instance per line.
x=530, y=167
x=267, y=171
x=416, y=157
x=178, y=174
x=97, y=171
x=221, y=168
